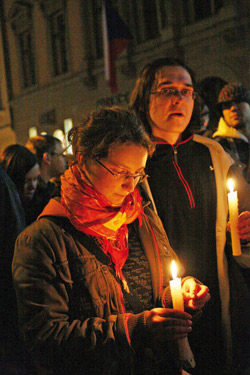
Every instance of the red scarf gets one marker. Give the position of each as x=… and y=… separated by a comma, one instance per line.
x=92, y=213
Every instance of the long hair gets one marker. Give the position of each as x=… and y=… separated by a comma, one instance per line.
x=17, y=160
x=106, y=128
x=139, y=98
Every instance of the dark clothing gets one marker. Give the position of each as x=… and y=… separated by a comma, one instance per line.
x=71, y=307
x=12, y=222
x=183, y=185
x=236, y=148
x=40, y=199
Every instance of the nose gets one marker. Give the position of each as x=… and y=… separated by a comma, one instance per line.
x=177, y=97
x=129, y=184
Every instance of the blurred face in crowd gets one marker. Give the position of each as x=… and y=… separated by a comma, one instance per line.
x=170, y=111
x=57, y=161
x=117, y=175
x=30, y=183
x=204, y=116
x=236, y=114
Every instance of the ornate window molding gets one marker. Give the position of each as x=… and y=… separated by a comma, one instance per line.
x=19, y=17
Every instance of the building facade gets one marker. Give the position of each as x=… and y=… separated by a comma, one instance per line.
x=54, y=62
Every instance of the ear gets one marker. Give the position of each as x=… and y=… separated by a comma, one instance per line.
x=47, y=158
x=81, y=161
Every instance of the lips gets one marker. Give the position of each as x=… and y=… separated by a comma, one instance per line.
x=176, y=114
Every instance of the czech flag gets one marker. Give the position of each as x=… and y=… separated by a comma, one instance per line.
x=116, y=38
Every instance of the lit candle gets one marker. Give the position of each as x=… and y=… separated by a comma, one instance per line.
x=176, y=291
x=185, y=353
x=233, y=217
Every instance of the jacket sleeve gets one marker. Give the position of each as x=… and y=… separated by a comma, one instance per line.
x=47, y=326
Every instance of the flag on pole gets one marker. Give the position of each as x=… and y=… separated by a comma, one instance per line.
x=116, y=38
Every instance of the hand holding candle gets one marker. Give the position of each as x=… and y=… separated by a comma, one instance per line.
x=233, y=217
x=185, y=353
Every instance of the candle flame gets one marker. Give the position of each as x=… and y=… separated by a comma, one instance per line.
x=230, y=185
x=174, y=269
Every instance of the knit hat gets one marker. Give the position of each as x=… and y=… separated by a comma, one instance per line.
x=233, y=92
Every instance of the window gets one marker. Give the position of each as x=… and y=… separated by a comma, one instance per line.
x=55, y=12
x=196, y=10
x=58, y=42
x=20, y=18
x=27, y=58
x=141, y=19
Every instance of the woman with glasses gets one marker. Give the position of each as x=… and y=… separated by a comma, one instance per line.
x=92, y=274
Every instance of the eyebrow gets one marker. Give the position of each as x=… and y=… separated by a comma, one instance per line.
x=172, y=83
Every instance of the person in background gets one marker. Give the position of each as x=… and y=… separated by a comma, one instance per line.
x=52, y=161
x=204, y=120
x=12, y=222
x=22, y=167
x=92, y=273
x=188, y=181
x=233, y=131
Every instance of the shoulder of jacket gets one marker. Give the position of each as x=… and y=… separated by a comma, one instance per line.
x=42, y=227
x=210, y=143
x=215, y=149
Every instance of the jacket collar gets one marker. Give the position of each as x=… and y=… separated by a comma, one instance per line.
x=186, y=137
x=228, y=131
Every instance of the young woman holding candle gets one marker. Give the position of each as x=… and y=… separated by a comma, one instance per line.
x=92, y=274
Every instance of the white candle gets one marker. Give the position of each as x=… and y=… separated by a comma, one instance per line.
x=233, y=217
x=176, y=291
x=185, y=353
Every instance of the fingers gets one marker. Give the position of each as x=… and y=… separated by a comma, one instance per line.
x=169, y=324
x=198, y=304
x=169, y=313
x=244, y=225
x=195, y=295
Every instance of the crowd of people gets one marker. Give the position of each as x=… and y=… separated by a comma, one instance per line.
x=88, y=256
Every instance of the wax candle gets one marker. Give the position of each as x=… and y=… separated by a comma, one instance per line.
x=233, y=217
x=185, y=353
x=176, y=291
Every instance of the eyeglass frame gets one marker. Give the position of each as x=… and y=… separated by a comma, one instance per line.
x=175, y=92
x=141, y=177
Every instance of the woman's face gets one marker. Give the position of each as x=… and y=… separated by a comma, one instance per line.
x=30, y=183
x=126, y=160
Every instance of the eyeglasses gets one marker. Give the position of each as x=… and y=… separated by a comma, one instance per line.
x=138, y=178
x=171, y=92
